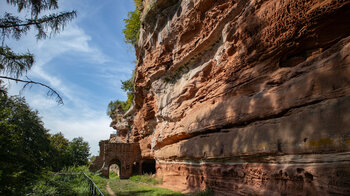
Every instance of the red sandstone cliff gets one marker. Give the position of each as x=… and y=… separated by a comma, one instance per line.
x=246, y=97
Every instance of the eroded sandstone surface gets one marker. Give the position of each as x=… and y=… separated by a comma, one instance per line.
x=245, y=97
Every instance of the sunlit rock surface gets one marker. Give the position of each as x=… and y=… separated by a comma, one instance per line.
x=245, y=97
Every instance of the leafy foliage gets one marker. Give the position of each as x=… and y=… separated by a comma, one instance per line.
x=60, y=153
x=25, y=149
x=117, y=106
x=113, y=175
x=68, y=153
x=78, y=151
x=128, y=85
x=132, y=24
x=67, y=182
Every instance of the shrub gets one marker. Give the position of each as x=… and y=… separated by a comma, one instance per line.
x=114, y=107
x=132, y=24
x=69, y=184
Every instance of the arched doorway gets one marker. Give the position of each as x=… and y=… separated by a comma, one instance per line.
x=114, y=170
x=115, y=167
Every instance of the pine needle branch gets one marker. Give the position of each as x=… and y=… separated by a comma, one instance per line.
x=12, y=25
x=15, y=64
x=34, y=5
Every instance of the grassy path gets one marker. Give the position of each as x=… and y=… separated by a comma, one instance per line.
x=143, y=185
x=109, y=190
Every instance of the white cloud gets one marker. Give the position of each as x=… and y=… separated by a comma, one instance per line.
x=91, y=129
x=40, y=102
x=73, y=40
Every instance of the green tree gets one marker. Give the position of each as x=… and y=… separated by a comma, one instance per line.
x=25, y=149
x=60, y=154
x=12, y=64
x=79, y=152
x=68, y=153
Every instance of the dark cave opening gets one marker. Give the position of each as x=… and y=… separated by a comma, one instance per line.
x=135, y=168
x=149, y=166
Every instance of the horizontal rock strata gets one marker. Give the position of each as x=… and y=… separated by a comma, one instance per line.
x=299, y=177
x=245, y=97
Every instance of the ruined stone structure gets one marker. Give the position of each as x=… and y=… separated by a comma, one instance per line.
x=125, y=155
x=245, y=96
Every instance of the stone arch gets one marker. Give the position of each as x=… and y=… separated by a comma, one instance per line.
x=117, y=162
x=122, y=154
x=108, y=163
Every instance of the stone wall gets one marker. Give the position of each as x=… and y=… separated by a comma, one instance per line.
x=125, y=155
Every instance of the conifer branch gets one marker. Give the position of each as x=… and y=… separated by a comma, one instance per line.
x=12, y=25
x=36, y=6
x=15, y=64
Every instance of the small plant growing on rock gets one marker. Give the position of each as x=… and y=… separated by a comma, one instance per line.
x=132, y=24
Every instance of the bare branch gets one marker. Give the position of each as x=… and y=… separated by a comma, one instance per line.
x=50, y=93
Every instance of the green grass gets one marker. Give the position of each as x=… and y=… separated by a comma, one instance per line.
x=146, y=178
x=139, y=186
x=113, y=175
x=146, y=185
x=207, y=192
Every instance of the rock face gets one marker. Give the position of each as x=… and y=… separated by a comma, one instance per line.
x=245, y=97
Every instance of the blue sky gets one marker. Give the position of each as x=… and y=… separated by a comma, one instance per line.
x=85, y=63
